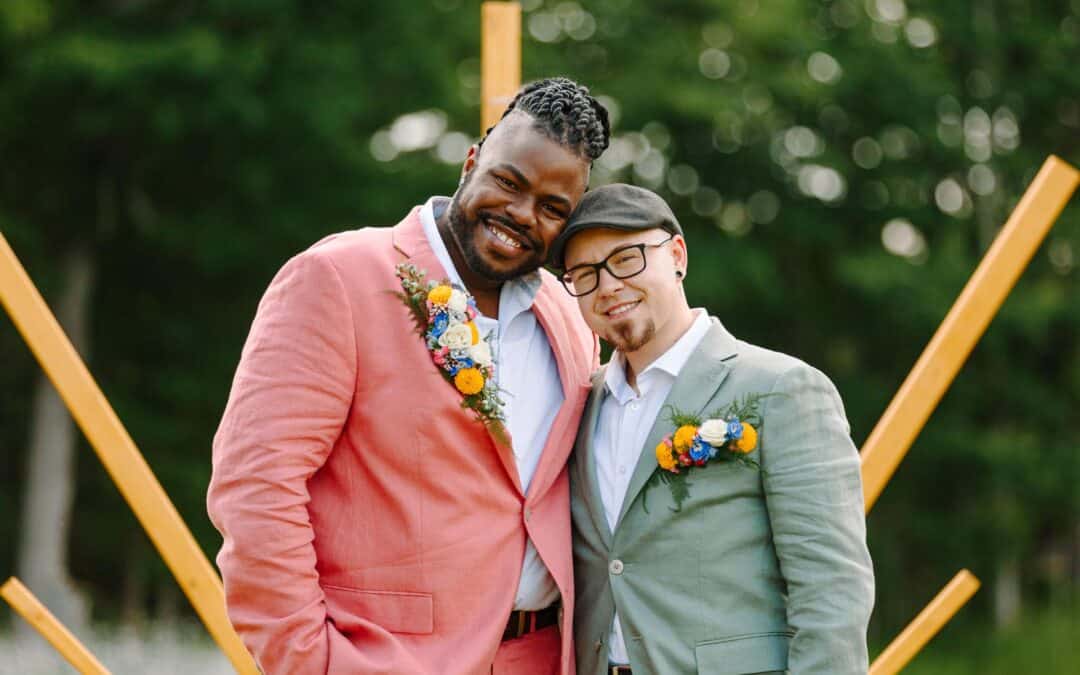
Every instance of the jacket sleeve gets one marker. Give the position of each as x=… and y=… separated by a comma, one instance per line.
x=289, y=402
x=813, y=492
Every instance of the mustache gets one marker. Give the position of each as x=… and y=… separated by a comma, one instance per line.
x=512, y=226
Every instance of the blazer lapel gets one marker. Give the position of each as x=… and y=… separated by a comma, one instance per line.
x=695, y=386
x=411, y=241
x=574, y=366
x=586, y=458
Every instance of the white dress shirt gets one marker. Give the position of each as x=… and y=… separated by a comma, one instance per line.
x=528, y=378
x=625, y=419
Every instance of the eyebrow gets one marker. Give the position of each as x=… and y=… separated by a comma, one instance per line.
x=520, y=178
x=610, y=253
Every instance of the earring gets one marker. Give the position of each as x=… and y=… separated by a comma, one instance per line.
x=678, y=274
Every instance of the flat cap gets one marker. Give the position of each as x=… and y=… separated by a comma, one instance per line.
x=617, y=206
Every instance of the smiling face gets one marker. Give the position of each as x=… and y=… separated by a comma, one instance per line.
x=514, y=199
x=641, y=316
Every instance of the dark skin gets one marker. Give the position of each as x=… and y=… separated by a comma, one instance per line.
x=515, y=199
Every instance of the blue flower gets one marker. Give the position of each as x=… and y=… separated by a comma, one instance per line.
x=699, y=450
x=734, y=430
x=452, y=367
x=439, y=325
x=464, y=363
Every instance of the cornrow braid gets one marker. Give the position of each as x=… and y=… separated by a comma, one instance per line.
x=565, y=111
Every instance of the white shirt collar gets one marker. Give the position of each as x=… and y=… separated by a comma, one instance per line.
x=516, y=296
x=670, y=362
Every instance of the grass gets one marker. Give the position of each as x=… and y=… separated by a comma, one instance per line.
x=171, y=650
x=1047, y=643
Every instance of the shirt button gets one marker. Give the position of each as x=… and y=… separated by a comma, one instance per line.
x=615, y=567
x=622, y=470
x=635, y=405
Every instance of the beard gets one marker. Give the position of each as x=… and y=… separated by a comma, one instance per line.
x=465, y=231
x=630, y=337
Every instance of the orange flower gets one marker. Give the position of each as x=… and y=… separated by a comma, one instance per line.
x=439, y=295
x=664, y=457
x=684, y=437
x=469, y=381
x=748, y=441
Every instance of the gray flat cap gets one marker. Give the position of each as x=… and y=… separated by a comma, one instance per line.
x=617, y=207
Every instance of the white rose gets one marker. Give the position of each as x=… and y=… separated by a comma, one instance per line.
x=457, y=301
x=458, y=336
x=481, y=353
x=713, y=432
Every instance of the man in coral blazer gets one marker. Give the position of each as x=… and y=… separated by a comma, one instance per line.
x=371, y=524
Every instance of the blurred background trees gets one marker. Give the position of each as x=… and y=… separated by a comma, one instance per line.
x=840, y=167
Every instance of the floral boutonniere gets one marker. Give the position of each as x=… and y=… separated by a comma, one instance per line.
x=445, y=318
x=727, y=435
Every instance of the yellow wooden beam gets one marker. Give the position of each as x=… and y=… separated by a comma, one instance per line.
x=965, y=324
x=926, y=625
x=37, y=615
x=117, y=452
x=500, y=59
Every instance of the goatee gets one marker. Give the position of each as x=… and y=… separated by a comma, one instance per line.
x=628, y=340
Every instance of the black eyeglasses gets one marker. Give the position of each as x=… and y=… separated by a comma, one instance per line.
x=622, y=263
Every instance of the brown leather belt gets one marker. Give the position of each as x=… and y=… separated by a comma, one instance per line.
x=523, y=622
x=619, y=670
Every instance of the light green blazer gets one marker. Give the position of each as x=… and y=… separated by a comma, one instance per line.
x=760, y=571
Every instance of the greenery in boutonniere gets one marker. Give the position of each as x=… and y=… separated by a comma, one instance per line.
x=444, y=316
x=726, y=435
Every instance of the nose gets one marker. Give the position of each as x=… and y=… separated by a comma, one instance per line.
x=522, y=212
x=607, y=284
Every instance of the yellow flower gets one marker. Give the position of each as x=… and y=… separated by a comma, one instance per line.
x=664, y=457
x=440, y=295
x=684, y=437
x=469, y=381
x=748, y=441
x=475, y=332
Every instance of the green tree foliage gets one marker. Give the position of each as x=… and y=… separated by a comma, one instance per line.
x=840, y=167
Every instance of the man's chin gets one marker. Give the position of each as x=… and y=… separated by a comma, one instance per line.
x=500, y=270
x=629, y=338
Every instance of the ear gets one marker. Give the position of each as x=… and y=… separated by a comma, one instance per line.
x=679, y=253
x=470, y=160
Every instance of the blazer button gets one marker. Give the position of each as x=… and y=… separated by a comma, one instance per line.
x=528, y=513
x=615, y=567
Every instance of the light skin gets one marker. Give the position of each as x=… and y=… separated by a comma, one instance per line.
x=515, y=197
x=642, y=316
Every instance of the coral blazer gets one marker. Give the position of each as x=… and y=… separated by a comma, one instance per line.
x=370, y=523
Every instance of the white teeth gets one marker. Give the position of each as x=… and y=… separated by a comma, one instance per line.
x=504, y=238
x=622, y=309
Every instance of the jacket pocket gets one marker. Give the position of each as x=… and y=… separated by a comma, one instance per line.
x=398, y=612
x=743, y=654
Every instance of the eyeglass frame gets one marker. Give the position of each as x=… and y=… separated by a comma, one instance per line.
x=603, y=265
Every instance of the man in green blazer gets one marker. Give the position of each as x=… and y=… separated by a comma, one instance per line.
x=716, y=497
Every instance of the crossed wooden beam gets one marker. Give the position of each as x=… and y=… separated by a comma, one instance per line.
x=882, y=453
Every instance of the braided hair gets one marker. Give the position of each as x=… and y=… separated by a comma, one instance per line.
x=565, y=111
